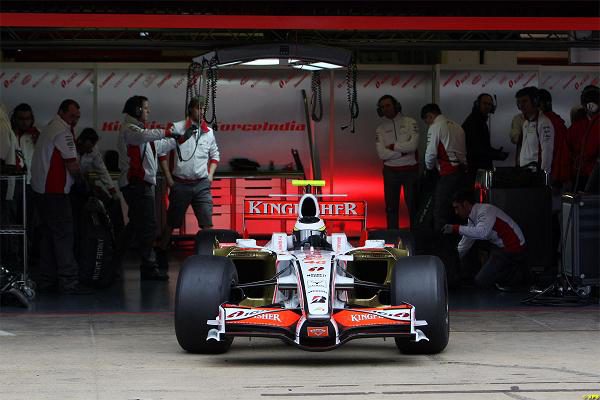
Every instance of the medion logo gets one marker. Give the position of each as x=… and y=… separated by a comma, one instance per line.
x=115, y=126
x=266, y=126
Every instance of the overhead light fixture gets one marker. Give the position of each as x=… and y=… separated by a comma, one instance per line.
x=307, y=67
x=294, y=55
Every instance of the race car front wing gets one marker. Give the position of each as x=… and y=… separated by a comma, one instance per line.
x=317, y=334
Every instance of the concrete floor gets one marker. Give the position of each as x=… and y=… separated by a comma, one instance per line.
x=120, y=344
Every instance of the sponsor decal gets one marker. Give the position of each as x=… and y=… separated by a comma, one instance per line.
x=395, y=81
x=373, y=316
x=490, y=79
x=418, y=83
x=266, y=126
x=149, y=79
x=529, y=79
x=317, y=331
x=85, y=78
x=447, y=82
x=476, y=79
x=569, y=82
x=12, y=80
x=54, y=80
x=276, y=207
x=66, y=82
x=318, y=299
x=410, y=78
x=371, y=79
x=276, y=317
x=115, y=126
x=382, y=81
x=107, y=79
x=546, y=81
x=135, y=80
x=164, y=80
x=26, y=80
x=118, y=83
x=315, y=269
x=316, y=275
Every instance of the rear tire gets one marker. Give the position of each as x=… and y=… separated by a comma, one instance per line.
x=395, y=236
x=205, y=239
x=421, y=281
x=204, y=284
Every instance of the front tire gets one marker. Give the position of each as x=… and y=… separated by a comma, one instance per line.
x=421, y=281
x=204, y=284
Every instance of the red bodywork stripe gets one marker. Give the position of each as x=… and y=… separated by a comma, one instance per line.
x=308, y=22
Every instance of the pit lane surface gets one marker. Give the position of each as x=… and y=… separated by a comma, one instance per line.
x=529, y=353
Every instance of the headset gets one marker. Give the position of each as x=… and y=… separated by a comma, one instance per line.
x=133, y=106
x=532, y=93
x=477, y=103
x=590, y=98
x=397, y=105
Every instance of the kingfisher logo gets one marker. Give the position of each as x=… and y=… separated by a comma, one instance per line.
x=266, y=126
x=115, y=126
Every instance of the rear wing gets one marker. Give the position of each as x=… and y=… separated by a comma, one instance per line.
x=333, y=210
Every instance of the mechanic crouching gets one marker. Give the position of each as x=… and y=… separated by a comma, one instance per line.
x=505, y=265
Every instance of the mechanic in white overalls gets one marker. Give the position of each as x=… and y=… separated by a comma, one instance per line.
x=189, y=173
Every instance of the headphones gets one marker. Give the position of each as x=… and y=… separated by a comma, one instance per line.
x=134, y=106
x=590, y=94
x=532, y=92
x=477, y=103
x=397, y=105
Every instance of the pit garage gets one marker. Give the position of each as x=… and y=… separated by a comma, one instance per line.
x=303, y=117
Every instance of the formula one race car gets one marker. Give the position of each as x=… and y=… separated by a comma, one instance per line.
x=312, y=290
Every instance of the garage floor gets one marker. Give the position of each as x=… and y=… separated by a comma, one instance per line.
x=120, y=344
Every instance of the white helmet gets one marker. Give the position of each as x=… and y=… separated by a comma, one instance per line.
x=309, y=228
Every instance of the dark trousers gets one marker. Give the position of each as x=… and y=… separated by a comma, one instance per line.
x=442, y=199
x=139, y=197
x=57, y=261
x=392, y=182
x=501, y=267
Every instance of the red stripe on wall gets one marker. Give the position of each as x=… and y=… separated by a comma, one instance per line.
x=309, y=22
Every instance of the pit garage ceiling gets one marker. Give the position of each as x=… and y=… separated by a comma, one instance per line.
x=144, y=30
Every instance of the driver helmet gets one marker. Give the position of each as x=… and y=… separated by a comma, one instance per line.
x=311, y=231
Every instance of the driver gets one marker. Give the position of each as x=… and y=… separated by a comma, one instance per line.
x=310, y=231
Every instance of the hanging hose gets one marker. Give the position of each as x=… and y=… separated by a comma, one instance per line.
x=212, y=77
x=194, y=73
x=316, y=99
x=351, y=75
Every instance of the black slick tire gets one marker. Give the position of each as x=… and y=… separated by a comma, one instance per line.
x=421, y=281
x=204, y=283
